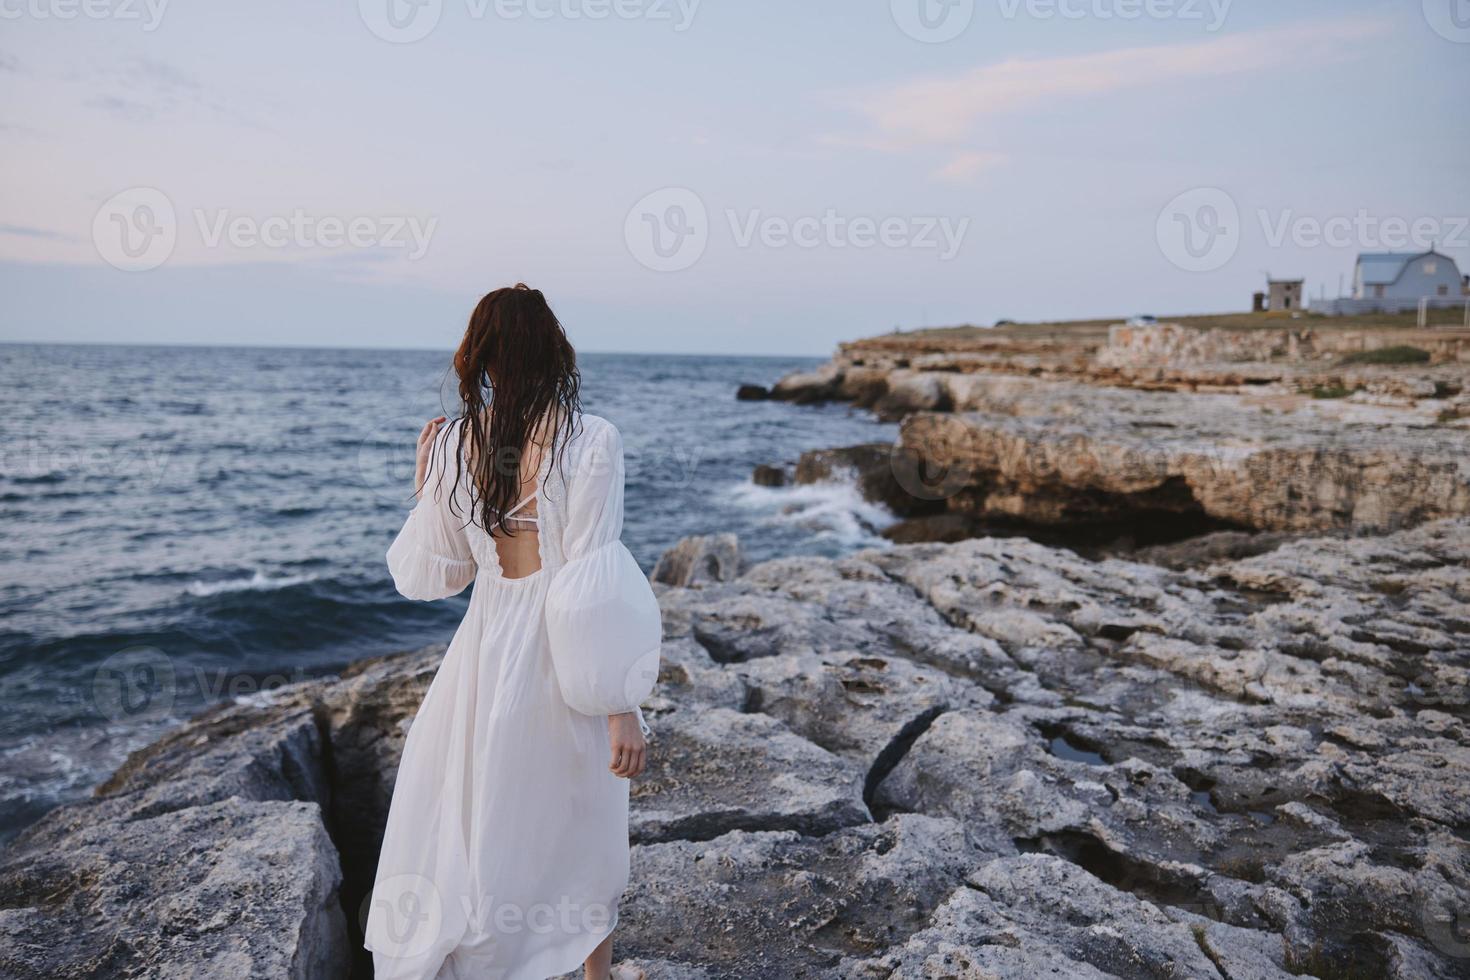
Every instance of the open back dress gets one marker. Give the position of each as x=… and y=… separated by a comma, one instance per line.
x=506, y=848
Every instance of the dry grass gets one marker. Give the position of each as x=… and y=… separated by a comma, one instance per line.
x=1218, y=321
x=1397, y=354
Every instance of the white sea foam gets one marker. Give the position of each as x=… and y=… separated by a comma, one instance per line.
x=833, y=510
x=258, y=582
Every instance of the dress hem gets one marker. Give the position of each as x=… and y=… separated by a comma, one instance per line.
x=554, y=966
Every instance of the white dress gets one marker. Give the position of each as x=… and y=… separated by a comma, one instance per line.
x=506, y=848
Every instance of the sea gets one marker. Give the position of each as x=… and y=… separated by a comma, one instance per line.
x=184, y=525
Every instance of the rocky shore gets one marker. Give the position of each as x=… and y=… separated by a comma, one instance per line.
x=1091, y=430
x=1238, y=749
x=983, y=759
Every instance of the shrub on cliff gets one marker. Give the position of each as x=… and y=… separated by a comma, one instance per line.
x=1398, y=354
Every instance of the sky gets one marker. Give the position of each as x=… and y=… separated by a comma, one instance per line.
x=708, y=176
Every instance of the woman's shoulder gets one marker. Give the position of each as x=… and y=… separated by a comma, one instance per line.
x=595, y=430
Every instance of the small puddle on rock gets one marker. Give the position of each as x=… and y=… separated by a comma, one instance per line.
x=1063, y=749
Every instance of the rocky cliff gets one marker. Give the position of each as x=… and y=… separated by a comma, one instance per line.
x=983, y=759
x=1170, y=428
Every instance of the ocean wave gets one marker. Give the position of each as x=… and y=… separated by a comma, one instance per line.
x=258, y=582
x=834, y=510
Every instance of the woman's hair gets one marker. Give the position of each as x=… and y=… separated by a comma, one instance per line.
x=519, y=384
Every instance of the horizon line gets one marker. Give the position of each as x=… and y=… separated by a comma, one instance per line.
x=321, y=347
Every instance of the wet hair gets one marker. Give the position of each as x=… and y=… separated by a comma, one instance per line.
x=519, y=386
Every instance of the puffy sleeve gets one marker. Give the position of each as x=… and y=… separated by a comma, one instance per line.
x=430, y=558
x=594, y=515
x=602, y=619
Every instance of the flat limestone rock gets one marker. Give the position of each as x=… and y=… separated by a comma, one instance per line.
x=803, y=605
x=236, y=889
x=688, y=675
x=1035, y=915
x=855, y=704
x=759, y=905
x=713, y=770
x=266, y=749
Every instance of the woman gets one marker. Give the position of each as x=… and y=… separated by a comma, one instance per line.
x=506, y=848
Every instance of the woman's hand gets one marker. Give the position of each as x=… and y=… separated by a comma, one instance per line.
x=629, y=750
x=421, y=456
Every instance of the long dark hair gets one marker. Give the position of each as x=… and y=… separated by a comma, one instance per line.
x=518, y=382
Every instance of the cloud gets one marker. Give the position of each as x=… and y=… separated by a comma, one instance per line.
x=945, y=110
x=155, y=90
x=965, y=166
x=128, y=109
x=26, y=231
x=162, y=77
